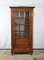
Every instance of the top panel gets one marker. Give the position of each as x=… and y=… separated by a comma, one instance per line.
x=22, y=7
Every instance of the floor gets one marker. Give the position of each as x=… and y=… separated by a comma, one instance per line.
x=6, y=55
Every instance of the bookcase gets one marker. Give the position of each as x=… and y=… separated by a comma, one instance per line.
x=21, y=30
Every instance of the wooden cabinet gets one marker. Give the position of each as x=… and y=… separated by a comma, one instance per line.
x=21, y=29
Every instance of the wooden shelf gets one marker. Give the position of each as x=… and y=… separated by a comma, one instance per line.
x=21, y=24
x=21, y=17
x=23, y=37
x=22, y=30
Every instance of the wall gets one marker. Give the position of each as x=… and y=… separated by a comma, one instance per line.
x=5, y=21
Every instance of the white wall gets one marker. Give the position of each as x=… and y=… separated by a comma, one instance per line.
x=5, y=21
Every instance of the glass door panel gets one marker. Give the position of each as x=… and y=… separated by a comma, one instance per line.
x=26, y=14
x=21, y=34
x=16, y=14
x=21, y=27
x=27, y=27
x=16, y=21
x=19, y=21
x=16, y=34
x=21, y=24
x=16, y=27
x=27, y=21
x=22, y=21
x=21, y=14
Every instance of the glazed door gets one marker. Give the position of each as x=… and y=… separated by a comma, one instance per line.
x=22, y=32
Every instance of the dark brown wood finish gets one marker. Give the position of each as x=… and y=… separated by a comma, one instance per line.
x=25, y=44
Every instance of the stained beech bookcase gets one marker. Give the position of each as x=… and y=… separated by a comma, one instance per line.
x=21, y=30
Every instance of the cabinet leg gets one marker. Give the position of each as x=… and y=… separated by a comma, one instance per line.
x=30, y=53
x=12, y=53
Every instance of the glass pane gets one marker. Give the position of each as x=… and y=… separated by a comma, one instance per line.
x=16, y=21
x=21, y=34
x=16, y=27
x=16, y=14
x=27, y=14
x=21, y=27
x=16, y=33
x=27, y=21
x=27, y=27
x=21, y=14
x=22, y=21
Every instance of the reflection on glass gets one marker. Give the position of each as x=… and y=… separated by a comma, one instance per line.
x=16, y=21
x=27, y=14
x=21, y=27
x=21, y=34
x=19, y=20
x=22, y=14
x=22, y=21
x=16, y=27
x=17, y=14
x=27, y=21
x=16, y=34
